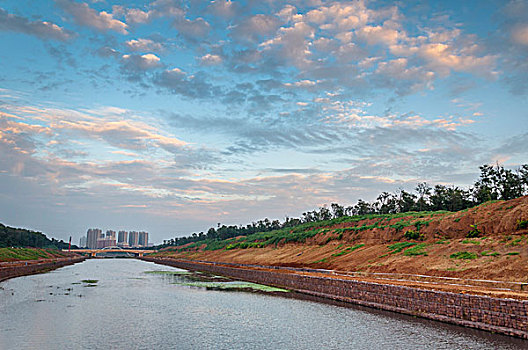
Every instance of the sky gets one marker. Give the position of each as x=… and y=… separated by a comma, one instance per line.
x=172, y=116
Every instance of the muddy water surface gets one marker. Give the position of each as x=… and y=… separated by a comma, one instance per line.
x=132, y=304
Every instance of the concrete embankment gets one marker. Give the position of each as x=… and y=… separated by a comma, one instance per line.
x=22, y=268
x=505, y=316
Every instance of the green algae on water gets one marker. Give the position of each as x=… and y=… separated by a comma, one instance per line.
x=165, y=272
x=233, y=286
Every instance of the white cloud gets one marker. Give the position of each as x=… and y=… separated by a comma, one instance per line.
x=292, y=44
x=520, y=34
x=210, y=60
x=41, y=29
x=143, y=45
x=86, y=16
x=225, y=9
x=143, y=62
x=192, y=29
x=256, y=27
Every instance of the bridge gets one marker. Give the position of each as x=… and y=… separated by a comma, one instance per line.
x=113, y=252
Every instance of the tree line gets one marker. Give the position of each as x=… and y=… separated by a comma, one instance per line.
x=495, y=183
x=19, y=237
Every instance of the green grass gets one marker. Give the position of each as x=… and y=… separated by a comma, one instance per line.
x=489, y=253
x=442, y=241
x=305, y=231
x=319, y=261
x=513, y=253
x=416, y=250
x=463, y=255
x=470, y=241
x=7, y=254
x=349, y=250
x=398, y=247
x=516, y=242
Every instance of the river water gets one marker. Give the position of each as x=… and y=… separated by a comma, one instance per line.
x=123, y=304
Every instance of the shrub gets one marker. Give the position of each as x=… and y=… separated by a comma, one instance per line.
x=412, y=234
x=522, y=224
x=474, y=233
x=463, y=255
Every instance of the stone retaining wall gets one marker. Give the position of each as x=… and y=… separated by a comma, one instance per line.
x=506, y=316
x=32, y=268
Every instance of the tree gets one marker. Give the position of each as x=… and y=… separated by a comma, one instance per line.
x=337, y=210
x=406, y=201
x=424, y=191
x=363, y=208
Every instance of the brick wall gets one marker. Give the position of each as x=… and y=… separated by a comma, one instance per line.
x=16, y=271
x=506, y=316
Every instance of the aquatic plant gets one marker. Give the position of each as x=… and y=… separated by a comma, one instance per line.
x=165, y=272
x=90, y=281
x=237, y=286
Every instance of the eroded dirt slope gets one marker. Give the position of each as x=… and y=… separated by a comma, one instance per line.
x=440, y=248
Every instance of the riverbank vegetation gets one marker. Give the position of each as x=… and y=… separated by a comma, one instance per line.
x=19, y=237
x=495, y=183
x=482, y=242
x=16, y=254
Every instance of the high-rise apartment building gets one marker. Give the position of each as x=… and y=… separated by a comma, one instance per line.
x=143, y=239
x=92, y=237
x=96, y=239
x=100, y=240
x=133, y=238
x=82, y=242
x=110, y=239
x=122, y=238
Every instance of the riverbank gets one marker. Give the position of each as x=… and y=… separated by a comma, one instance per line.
x=501, y=315
x=29, y=267
x=488, y=242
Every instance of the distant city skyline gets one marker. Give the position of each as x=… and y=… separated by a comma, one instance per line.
x=95, y=238
x=172, y=116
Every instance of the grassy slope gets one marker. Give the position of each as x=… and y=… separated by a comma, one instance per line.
x=381, y=243
x=15, y=254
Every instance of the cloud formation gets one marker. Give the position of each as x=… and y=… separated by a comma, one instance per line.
x=41, y=29
x=86, y=16
x=171, y=114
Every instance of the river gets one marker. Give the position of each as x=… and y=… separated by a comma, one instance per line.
x=132, y=304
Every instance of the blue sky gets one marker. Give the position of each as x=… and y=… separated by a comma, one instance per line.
x=170, y=116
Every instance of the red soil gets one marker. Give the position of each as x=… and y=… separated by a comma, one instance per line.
x=501, y=253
